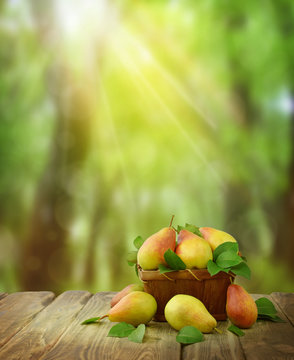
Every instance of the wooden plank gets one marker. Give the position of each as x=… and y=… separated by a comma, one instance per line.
x=18, y=309
x=224, y=346
x=269, y=340
x=2, y=295
x=91, y=341
x=286, y=303
x=42, y=333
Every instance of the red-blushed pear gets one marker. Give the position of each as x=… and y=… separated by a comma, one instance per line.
x=150, y=254
x=215, y=237
x=135, y=308
x=241, y=308
x=125, y=291
x=193, y=250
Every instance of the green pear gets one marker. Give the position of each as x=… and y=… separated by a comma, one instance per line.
x=193, y=250
x=215, y=237
x=135, y=308
x=241, y=308
x=150, y=254
x=125, y=291
x=186, y=310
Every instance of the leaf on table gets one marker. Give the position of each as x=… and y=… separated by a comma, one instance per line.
x=138, y=242
x=91, y=320
x=265, y=306
x=242, y=269
x=189, y=335
x=121, y=330
x=138, y=334
x=274, y=318
x=212, y=268
x=227, y=259
x=235, y=330
x=163, y=269
x=174, y=261
x=226, y=246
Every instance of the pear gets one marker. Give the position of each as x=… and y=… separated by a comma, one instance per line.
x=125, y=291
x=135, y=308
x=186, y=310
x=150, y=254
x=241, y=308
x=193, y=250
x=215, y=237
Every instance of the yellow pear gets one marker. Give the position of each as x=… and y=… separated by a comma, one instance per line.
x=215, y=237
x=186, y=310
x=135, y=308
x=193, y=250
x=150, y=254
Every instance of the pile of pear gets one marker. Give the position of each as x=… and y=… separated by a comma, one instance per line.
x=134, y=306
x=194, y=251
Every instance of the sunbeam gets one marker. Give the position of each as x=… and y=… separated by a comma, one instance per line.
x=132, y=68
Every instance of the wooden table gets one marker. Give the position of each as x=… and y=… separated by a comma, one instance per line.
x=38, y=325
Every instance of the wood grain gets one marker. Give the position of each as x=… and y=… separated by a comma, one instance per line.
x=18, y=309
x=269, y=340
x=225, y=346
x=2, y=295
x=91, y=341
x=41, y=334
x=286, y=303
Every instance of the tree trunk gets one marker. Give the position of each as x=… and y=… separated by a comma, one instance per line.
x=45, y=261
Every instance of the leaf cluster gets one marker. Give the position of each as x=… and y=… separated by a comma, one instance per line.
x=226, y=258
x=132, y=255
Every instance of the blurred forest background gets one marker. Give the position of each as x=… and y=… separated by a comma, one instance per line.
x=116, y=114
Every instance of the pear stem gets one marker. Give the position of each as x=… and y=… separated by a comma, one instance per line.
x=104, y=316
x=171, y=221
x=218, y=330
x=193, y=274
x=168, y=277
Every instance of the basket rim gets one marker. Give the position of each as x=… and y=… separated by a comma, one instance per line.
x=201, y=274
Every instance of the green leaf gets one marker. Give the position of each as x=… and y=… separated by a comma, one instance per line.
x=227, y=259
x=138, y=334
x=192, y=228
x=227, y=246
x=234, y=329
x=121, y=330
x=163, y=269
x=189, y=335
x=242, y=269
x=138, y=242
x=265, y=307
x=132, y=257
x=273, y=318
x=136, y=271
x=173, y=260
x=130, y=263
x=212, y=268
x=91, y=320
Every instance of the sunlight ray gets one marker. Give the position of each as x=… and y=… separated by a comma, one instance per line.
x=132, y=67
x=170, y=80
x=122, y=164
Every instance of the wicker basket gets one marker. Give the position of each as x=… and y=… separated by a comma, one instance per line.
x=211, y=290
